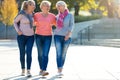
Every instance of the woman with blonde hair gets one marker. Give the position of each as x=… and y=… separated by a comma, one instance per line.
x=44, y=21
x=23, y=24
x=62, y=34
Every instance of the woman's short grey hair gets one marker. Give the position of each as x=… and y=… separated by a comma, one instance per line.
x=45, y=3
x=26, y=3
x=61, y=3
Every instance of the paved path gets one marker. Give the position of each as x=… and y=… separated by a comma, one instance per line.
x=82, y=63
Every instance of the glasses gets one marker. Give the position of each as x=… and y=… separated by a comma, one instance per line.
x=32, y=5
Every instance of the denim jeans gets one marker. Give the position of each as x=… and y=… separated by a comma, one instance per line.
x=61, y=49
x=43, y=46
x=25, y=44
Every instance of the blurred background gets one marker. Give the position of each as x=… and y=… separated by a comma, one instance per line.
x=97, y=22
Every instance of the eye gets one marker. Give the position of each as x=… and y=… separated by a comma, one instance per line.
x=32, y=5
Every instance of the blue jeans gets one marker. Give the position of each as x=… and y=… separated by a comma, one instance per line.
x=61, y=49
x=25, y=44
x=43, y=46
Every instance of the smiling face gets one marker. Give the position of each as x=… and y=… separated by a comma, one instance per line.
x=61, y=8
x=45, y=7
x=31, y=6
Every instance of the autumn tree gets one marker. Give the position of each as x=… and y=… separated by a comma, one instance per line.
x=0, y=10
x=76, y=4
x=91, y=6
x=108, y=6
x=9, y=10
x=70, y=3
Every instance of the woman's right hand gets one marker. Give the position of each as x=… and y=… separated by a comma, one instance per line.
x=19, y=33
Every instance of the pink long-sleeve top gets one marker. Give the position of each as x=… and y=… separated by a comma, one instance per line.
x=44, y=24
x=24, y=26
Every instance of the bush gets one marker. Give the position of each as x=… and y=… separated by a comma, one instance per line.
x=86, y=18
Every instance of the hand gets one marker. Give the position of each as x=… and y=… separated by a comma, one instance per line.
x=53, y=27
x=19, y=33
x=67, y=36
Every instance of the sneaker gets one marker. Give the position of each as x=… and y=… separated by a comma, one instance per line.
x=40, y=73
x=44, y=73
x=60, y=74
x=22, y=74
x=29, y=75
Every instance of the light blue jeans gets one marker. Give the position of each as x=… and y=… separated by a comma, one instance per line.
x=61, y=49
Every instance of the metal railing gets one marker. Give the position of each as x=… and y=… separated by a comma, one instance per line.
x=84, y=34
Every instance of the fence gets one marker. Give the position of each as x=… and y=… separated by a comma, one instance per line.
x=7, y=32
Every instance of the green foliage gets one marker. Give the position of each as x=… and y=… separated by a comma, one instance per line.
x=37, y=3
x=77, y=4
x=86, y=18
x=70, y=4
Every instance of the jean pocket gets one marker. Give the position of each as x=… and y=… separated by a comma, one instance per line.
x=21, y=36
x=68, y=41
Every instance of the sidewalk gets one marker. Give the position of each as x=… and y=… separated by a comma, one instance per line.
x=82, y=63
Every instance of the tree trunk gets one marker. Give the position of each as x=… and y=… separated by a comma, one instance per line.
x=110, y=11
x=77, y=7
x=6, y=29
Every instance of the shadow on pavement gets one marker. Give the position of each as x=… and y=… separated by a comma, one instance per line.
x=18, y=77
x=55, y=77
x=39, y=77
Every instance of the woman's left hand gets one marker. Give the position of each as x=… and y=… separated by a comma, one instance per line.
x=67, y=36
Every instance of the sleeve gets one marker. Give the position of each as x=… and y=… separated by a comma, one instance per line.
x=71, y=23
x=16, y=20
x=54, y=20
x=35, y=20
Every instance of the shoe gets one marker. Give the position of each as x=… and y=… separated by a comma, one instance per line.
x=60, y=74
x=44, y=73
x=40, y=73
x=22, y=74
x=29, y=75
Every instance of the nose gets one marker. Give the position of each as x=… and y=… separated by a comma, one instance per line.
x=34, y=6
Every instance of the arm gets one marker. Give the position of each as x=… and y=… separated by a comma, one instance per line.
x=34, y=19
x=16, y=26
x=70, y=27
x=53, y=18
x=54, y=21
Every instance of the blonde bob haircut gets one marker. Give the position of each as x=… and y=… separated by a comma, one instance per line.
x=26, y=3
x=61, y=3
x=45, y=3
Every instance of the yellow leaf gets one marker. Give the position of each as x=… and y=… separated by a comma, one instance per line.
x=9, y=10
